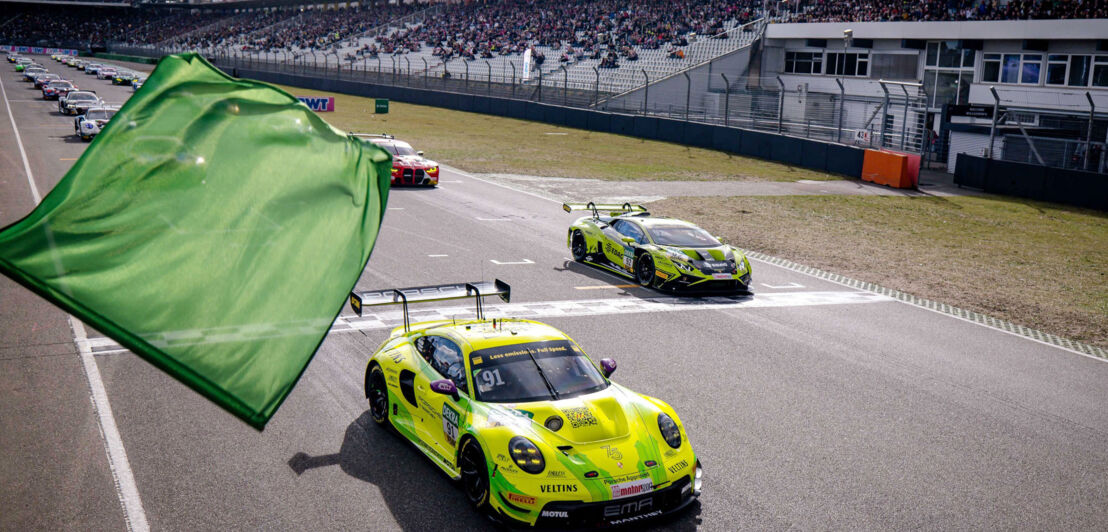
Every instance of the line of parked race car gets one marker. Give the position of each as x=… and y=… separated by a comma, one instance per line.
x=91, y=112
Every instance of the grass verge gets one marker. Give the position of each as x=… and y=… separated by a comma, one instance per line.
x=490, y=144
x=1041, y=265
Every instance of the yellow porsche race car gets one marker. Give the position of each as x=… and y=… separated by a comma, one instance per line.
x=515, y=410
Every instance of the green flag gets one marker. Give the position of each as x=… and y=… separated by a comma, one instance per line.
x=214, y=228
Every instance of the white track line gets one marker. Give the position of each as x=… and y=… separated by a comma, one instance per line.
x=125, y=487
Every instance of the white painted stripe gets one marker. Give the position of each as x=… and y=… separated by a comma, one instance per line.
x=509, y=263
x=125, y=487
x=22, y=151
x=546, y=309
x=437, y=256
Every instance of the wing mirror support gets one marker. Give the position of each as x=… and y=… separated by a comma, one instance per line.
x=445, y=387
x=419, y=153
x=608, y=366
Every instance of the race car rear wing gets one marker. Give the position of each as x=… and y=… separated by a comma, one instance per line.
x=371, y=135
x=613, y=209
x=420, y=294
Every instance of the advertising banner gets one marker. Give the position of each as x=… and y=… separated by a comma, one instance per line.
x=37, y=50
x=319, y=104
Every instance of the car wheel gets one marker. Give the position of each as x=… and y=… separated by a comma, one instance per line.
x=579, y=247
x=378, y=395
x=475, y=476
x=644, y=269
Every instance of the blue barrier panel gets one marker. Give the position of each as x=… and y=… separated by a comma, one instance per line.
x=576, y=118
x=645, y=127
x=727, y=139
x=598, y=121
x=483, y=104
x=670, y=130
x=970, y=171
x=552, y=114
x=534, y=112
x=1014, y=179
x=622, y=124
x=757, y=144
x=809, y=154
x=845, y=160
x=700, y=135
x=788, y=150
x=516, y=109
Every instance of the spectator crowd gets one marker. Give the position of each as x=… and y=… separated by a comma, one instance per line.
x=609, y=30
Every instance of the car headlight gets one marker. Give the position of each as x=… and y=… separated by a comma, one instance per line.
x=669, y=429
x=526, y=455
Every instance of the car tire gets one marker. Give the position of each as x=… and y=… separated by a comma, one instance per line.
x=377, y=393
x=644, y=269
x=579, y=247
x=475, y=474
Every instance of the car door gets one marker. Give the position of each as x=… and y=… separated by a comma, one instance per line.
x=623, y=253
x=441, y=415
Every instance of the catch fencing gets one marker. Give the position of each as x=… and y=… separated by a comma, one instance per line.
x=701, y=95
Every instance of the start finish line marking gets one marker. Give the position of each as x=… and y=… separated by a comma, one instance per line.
x=533, y=310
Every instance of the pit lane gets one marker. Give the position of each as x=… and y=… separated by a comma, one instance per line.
x=839, y=415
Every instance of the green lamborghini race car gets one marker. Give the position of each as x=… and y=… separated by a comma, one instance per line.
x=533, y=429
x=655, y=251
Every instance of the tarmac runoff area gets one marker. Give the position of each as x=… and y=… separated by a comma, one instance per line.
x=813, y=404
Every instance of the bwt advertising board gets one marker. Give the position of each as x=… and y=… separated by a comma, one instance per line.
x=319, y=104
x=37, y=50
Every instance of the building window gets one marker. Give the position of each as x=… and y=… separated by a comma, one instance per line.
x=990, y=69
x=803, y=62
x=1056, y=69
x=1100, y=71
x=1079, y=71
x=1029, y=73
x=1010, y=69
x=847, y=64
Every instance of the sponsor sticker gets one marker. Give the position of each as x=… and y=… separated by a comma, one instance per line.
x=678, y=466
x=556, y=513
x=580, y=417
x=632, y=488
x=450, y=424
x=721, y=276
x=558, y=488
x=522, y=499
x=319, y=104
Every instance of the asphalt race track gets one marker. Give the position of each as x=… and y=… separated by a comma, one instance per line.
x=812, y=405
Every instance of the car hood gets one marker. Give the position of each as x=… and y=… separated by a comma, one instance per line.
x=721, y=252
x=592, y=425
x=412, y=160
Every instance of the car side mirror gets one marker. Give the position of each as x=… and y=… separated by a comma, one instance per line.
x=628, y=240
x=608, y=366
x=445, y=387
x=419, y=153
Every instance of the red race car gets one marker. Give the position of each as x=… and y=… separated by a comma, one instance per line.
x=409, y=167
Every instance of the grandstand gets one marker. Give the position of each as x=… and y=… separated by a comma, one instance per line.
x=868, y=72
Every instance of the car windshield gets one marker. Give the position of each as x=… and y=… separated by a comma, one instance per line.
x=399, y=150
x=81, y=96
x=682, y=236
x=533, y=371
x=62, y=85
x=100, y=114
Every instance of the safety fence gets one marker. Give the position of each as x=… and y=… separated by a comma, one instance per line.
x=806, y=153
x=703, y=95
x=1072, y=139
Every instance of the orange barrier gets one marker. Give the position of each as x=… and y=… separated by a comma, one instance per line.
x=893, y=169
